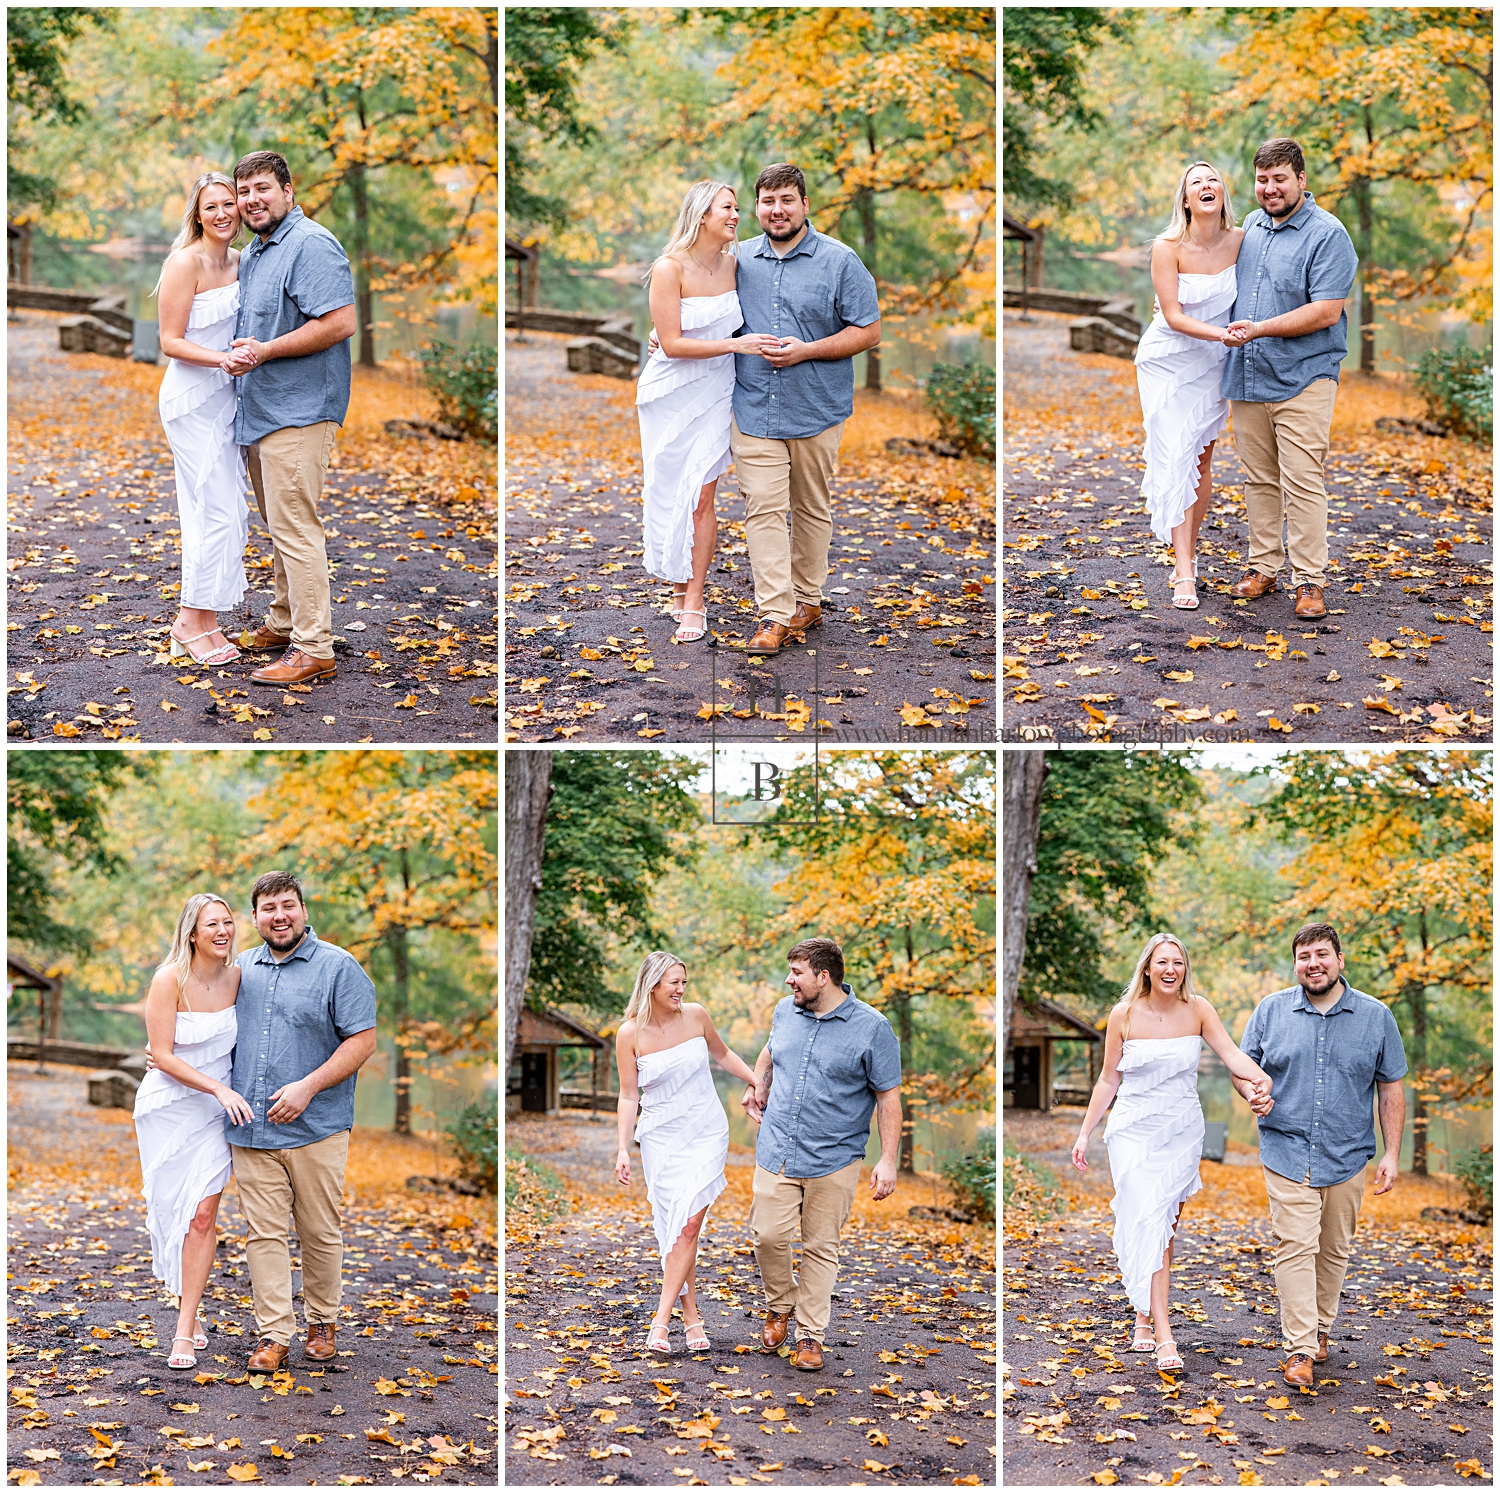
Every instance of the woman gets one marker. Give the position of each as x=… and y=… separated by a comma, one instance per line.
x=1155, y=1134
x=181, y=1104
x=1179, y=362
x=199, y=299
x=684, y=394
x=662, y=1048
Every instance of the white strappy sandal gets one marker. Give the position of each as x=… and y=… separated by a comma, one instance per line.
x=1171, y=1358
x=697, y=1337
x=1185, y=603
x=181, y=648
x=686, y=632
x=183, y=1360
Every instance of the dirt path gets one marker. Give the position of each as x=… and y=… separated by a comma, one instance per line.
x=589, y=651
x=94, y=567
x=411, y=1395
x=906, y=1395
x=1404, y=653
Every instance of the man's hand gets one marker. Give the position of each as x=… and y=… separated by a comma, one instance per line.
x=652, y=345
x=751, y=1104
x=1385, y=1174
x=290, y=1100
x=789, y=351
x=883, y=1179
x=1238, y=333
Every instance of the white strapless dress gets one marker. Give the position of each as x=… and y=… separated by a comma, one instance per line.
x=683, y=1134
x=684, y=406
x=184, y=1153
x=1155, y=1143
x=197, y=412
x=1178, y=379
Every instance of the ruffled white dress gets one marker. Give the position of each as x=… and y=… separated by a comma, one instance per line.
x=197, y=412
x=684, y=407
x=184, y=1153
x=683, y=1134
x=1178, y=379
x=1155, y=1142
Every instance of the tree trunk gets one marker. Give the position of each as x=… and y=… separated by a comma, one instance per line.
x=528, y=777
x=866, y=199
x=902, y=1007
x=363, y=296
x=1416, y=999
x=395, y=939
x=1362, y=195
x=1022, y=776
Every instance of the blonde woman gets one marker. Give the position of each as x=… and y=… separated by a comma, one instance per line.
x=684, y=394
x=662, y=1048
x=181, y=1105
x=1180, y=362
x=1155, y=1132
x=198, y=301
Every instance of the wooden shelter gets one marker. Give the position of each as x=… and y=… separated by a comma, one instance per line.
x=534, y=1084
x=1033, y=242
x=1036, y=1027
x=49, y=990
x=528, y=262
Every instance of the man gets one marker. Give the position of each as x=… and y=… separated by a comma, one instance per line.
x=306, y=1026
x=291, y=357
x=790, y=405
x=1328, y=1048
x=838, y=1060
x=1295, y=271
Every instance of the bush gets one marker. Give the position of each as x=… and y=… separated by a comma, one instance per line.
x=1476, y=1170
x=463, y=379
x=1030, y=1186
x=532, y=1190
x=972, y=1178
x=962, y=396
x=1456, y=385
x=475, y=1135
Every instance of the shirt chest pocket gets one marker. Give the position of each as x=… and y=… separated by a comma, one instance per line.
x=304, y=1014
x=1353, y=1057
x=1290, y=285
x=841, y=1066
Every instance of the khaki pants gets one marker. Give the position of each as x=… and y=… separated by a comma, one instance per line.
x=821, y=1205
x=1283, y=445
x=306, y=1182
x=287, y=469
x=777, y=478
x=1314, y=1227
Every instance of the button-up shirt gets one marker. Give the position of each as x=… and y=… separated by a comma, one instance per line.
x=293, y=1013
x=1282, y=266
x=1323, y=1069
x=298, y=274
x=811, y=292
x=826, y=1072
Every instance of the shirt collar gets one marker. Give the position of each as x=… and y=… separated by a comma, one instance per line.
x=282, y=228
x=1298, y=219
x=304, y=950
x=765, y=251
x=844, y=1010
x=1344, y=1003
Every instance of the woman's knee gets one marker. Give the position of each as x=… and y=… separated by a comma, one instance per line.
x=205, y=1219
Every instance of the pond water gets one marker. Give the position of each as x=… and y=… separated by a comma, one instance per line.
x=435, y=1103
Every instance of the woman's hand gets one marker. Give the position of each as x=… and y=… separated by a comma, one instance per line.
x=622, y=1168
x=236, y=1107
x=1080, y=1151
x=754, y=344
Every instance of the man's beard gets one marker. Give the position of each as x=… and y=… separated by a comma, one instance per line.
x=1313, y=989
x=1288, y=207
x=271, y=223
x=781, y=238
x=804, y=999
x=285, y=941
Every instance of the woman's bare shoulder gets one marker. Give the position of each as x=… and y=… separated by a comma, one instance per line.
x=163, y=983
x=625, y=1036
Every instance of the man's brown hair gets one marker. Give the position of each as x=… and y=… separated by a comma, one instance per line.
x=1315, y=933
x=263, y=160
x=781, y=175
x=273, y=884
x=1278, y=152
x=820, y=954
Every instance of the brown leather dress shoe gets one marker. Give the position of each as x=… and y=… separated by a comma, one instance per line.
x=266, y=637
x=1253, y=584
x=1322, y=1348
x=1299, y=1371
x=773, y=1330
x=1310, y=604
x=809, y=1355
x=770, y=638
x=805, y=617
x=320, y=1344
x=295, y=667
x=268, y=1357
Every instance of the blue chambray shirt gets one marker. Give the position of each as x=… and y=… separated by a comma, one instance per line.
x=301, y=272
x=292, y=1015
x=815, y=291
x=826, y=1071
x=1310, y=257
x=1323, y=1074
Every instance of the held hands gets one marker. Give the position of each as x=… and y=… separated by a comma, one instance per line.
x=756, y=344
x=622, y=1168
x=237, y=1108
x=753, y=1103
x=244, y=354
x=289, y=1102
x=785, y=351
x=1259, y=1098
x=883, y=1179
x=1238, y=333
x=1385, y=1174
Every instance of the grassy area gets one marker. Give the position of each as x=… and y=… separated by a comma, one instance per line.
x=534, y=1193
x=1029, y=1188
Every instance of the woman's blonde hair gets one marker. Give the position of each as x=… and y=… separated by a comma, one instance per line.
x=180, y=961
x=1139, y=988
x=1177, y=229
x=695, y=206
x=652, y=972
x=192, y=225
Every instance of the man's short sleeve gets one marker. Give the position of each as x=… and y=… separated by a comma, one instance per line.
x=855, y=300
x=885, y=1058
x=353, y=999
x=1332, y=267
x=1392, y=1061
x=320, y=280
